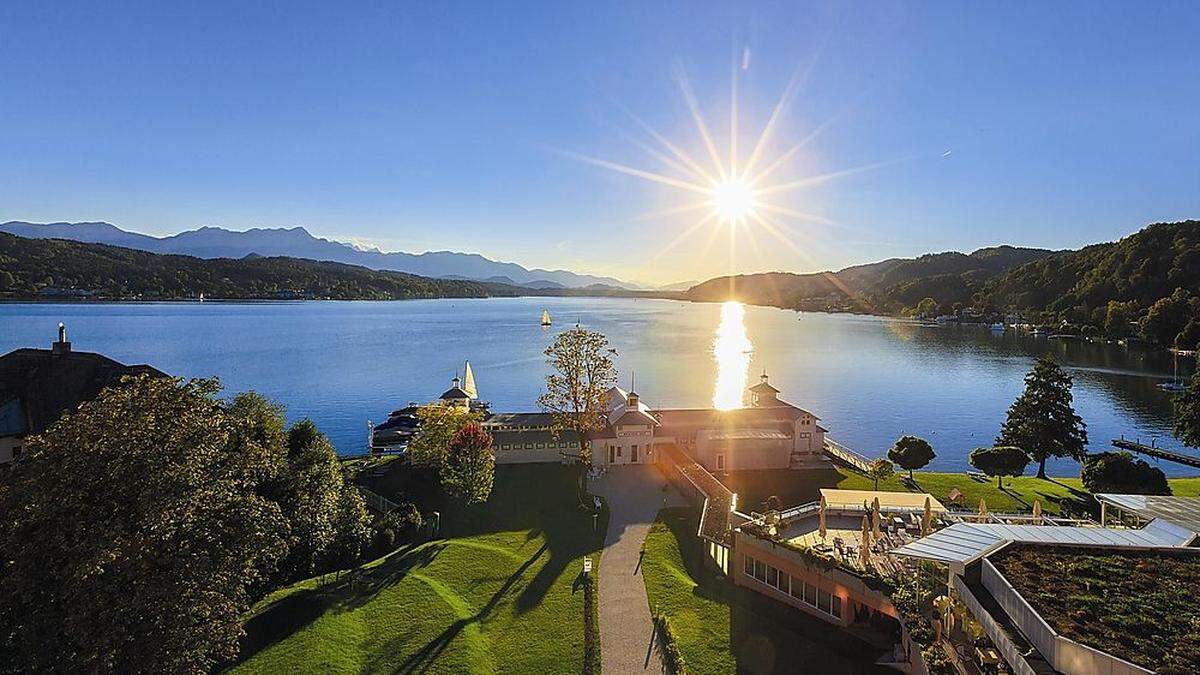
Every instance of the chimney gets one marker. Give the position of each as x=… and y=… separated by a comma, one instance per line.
x=62, y=346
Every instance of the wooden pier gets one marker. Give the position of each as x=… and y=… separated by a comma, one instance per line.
x=1169, y=455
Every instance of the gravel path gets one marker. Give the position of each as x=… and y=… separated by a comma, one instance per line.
x=634, y=495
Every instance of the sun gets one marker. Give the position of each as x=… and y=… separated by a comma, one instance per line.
x=733, y=200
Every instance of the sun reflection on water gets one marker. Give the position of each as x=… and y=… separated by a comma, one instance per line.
x=731, y=351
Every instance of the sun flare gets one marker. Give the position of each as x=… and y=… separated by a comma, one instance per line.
x=731, y=350
x=733, y=200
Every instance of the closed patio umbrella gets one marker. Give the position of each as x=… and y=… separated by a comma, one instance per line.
x=927, y=520
x=864, y=551
x=1037, y=512
x=821, y=518
x=982, y=510
x=876, y=517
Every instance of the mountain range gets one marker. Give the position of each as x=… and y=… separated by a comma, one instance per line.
x=296, y=242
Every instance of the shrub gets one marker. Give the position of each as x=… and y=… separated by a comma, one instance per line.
x=404, y=521
x=1121, y=472
x=672, y=657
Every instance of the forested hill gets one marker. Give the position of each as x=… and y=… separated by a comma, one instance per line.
x=884, y=287
x=55, y=268
x=1146, y=284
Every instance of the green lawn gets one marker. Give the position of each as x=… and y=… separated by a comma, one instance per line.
x=798, y=487
x=500, y=594
x=724, y=629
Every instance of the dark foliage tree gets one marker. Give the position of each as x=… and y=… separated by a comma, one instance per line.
x=1120, y=318
x=582, y=372
x=1122, y=473
x=999, y=462
x=133, y=532
x=470, y=466
x=1187, y=413
x=911, y=453
x=1042, y=421
x=1167, y=317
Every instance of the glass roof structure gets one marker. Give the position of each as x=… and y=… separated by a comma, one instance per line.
x=963, y=543
x=1181, y=511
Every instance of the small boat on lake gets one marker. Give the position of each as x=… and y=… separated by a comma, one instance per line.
x=1176, y=384
x=545, y=317
x=997, y=328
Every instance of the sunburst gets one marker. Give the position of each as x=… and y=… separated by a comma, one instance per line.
x=738, y=195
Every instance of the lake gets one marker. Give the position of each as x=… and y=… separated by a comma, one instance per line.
x=869, y=379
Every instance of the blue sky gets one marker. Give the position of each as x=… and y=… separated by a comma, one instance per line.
x=428, y=126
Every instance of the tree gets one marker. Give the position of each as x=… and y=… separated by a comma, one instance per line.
x=927, y=307
x=1187, y=413
x=911, y=453
x=470, y=468
x=1042, y=421
x=132, y=534
x=438, y=425
x=1122, y=473
x=880, y=469
x=1119, y=318
x=583, y=371
x=1189, y=338
x=1167, y=317
x=999, y=462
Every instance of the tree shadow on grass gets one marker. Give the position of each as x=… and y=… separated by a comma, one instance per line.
x=293, y=612
x=424, y=658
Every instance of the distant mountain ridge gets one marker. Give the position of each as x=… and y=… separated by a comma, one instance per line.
x=297, y=242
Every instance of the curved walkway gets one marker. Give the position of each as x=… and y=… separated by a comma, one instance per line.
x=634, y=495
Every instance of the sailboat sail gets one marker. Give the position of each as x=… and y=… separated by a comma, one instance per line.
x=545, y=317
x=469, y=382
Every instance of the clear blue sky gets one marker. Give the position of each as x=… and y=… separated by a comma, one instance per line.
x=419, y=126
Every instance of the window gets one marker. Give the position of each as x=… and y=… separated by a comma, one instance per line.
x=837, y=607
x=810, y=594
x=797, y=588
x=823, y=601
x=529, y=446
x=720, y=462
x=772, y=576
x=785, y=582
x=760, y=570
x=618, y=451
x=749, y=568
x=541, y=445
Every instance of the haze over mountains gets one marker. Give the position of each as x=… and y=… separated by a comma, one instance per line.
x=296, y=242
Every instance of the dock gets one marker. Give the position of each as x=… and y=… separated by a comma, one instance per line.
x=1160, y=453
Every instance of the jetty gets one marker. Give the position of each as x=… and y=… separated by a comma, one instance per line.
x=1160, y=453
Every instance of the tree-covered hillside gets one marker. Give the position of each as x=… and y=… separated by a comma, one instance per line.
x=49, y=268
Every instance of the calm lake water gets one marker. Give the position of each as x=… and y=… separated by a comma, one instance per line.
x=869, y=379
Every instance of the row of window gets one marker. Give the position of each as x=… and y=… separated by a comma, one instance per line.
x=531, y=446
x=813, y=596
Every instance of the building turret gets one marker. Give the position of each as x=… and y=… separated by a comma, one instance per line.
x=62, y=346
x=763, y=395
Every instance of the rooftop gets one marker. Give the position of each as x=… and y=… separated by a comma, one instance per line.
x=1139, y=606
x=888, y=501
x=1181, y=511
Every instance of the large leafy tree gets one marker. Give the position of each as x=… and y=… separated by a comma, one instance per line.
x=583, y=370
x=438, y=425
x=1187, y=413
x=133, y=533
x=911, y=453
x=470, y=468
x=1167, y=317
x=999, y=462
x=1042, y=421
x=1123, y=473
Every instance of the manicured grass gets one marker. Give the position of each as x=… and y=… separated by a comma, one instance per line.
x=724, y=629
x=501, y=594
x=799, y=487
x=1137, y=605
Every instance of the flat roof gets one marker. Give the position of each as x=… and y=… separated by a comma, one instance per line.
x=963, y=543
x=1181, y=511
x=835, y=499
x=741, y=434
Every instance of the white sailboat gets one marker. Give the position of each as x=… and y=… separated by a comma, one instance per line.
x=1175, y=384
x=469, y=382
x=545, y=317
